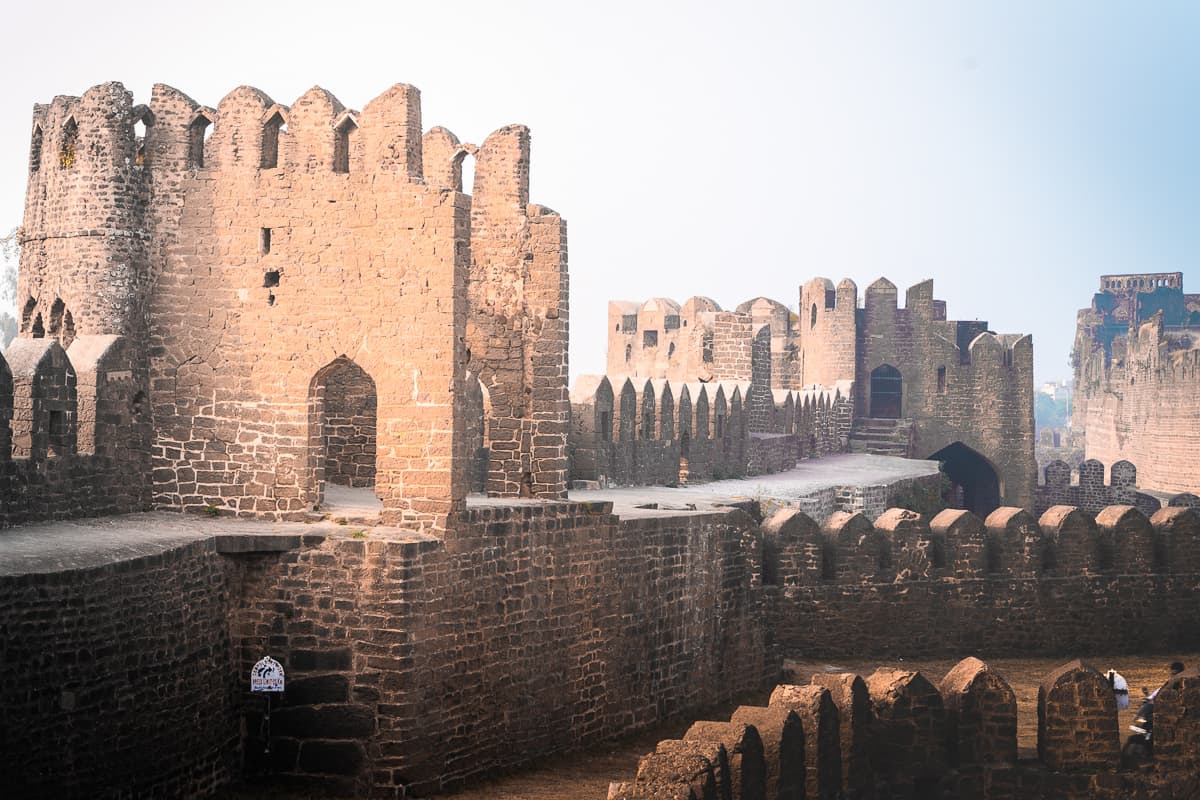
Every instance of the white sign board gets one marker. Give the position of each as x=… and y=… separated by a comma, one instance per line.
x=267, y=676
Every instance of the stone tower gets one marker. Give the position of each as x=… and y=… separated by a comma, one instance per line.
x=84, y=235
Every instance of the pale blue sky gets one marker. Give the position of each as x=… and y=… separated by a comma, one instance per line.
x=1011, y=151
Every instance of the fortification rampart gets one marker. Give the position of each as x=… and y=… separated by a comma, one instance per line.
x=655, y=432
x=924, y=386
x=1088, y=491
x=255, y=255
x=1137, y=379
x=1007, y=585
x=74, y=433
x=414, y=663
x=898, y=734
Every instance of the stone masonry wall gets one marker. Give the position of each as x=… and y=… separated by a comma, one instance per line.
x=116, y=680
x=538, y=628
x=1010, y=586
x=80, y=424
x=901, y=727
x=1144, y=408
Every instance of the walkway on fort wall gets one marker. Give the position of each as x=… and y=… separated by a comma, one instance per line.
x=816, y=482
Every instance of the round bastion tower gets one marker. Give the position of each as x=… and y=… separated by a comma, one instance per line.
x=83, y=237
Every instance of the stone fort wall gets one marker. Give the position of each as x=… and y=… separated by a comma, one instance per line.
x=900, y=734
x=74, y=429
x=654, y=432
x=117, y=679
x=415, y=663
x=956, y=382
x=1137, y=379
x=247, y=252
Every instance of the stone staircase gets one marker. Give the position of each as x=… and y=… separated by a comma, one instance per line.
x=885, y=437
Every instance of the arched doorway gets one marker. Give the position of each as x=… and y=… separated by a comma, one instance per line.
x=972, y=476
x=343, y=414
x=887, y=390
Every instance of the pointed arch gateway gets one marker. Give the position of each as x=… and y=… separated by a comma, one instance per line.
x=975, y=481
x=342, y=419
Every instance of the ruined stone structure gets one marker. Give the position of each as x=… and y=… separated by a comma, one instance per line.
x=1137, y=379
x=922, y=386
x=957, y=739
x=229, y=308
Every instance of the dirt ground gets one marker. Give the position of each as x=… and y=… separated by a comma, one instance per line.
x=586, y=775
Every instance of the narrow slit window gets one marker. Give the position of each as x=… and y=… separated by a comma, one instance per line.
x=264, y=241
x=941, y=380
x=270, y=141
x=140, y=131
x=343, y=142
x=70, y=139
x=197, y=138
x=35, y=150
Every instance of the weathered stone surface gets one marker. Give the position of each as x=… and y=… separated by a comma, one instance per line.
x=782, y=735
x=1077, y=720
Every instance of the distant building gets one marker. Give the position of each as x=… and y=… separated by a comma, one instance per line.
x=1137, y=378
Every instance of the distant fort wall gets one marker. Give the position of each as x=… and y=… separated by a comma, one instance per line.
x=1137, y=379
x=923, y=386
x=655, y=432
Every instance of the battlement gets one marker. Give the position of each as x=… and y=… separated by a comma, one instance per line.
x=1140, y=282
x=898, y=733
x=903, y=546
x=104, y=132
x=246, y=254
x=654, y=431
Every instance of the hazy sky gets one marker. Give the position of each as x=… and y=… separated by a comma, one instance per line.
x=1011, y=151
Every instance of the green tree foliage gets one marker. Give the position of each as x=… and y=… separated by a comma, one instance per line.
x=1048, y=412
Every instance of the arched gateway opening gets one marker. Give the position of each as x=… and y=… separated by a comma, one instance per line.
x=976, y=485
x=887, y=391
x=342, y=420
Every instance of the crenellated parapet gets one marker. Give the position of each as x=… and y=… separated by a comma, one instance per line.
x=902, y=546
x=74, y=434
x=638, y=431
x=248, y=252
x=956, y=737
x=1087, y=489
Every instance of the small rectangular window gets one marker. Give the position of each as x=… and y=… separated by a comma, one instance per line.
x=650, y=339
x=941, y=380
x=671, y=322
x=628, y=323
x=264, y=241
